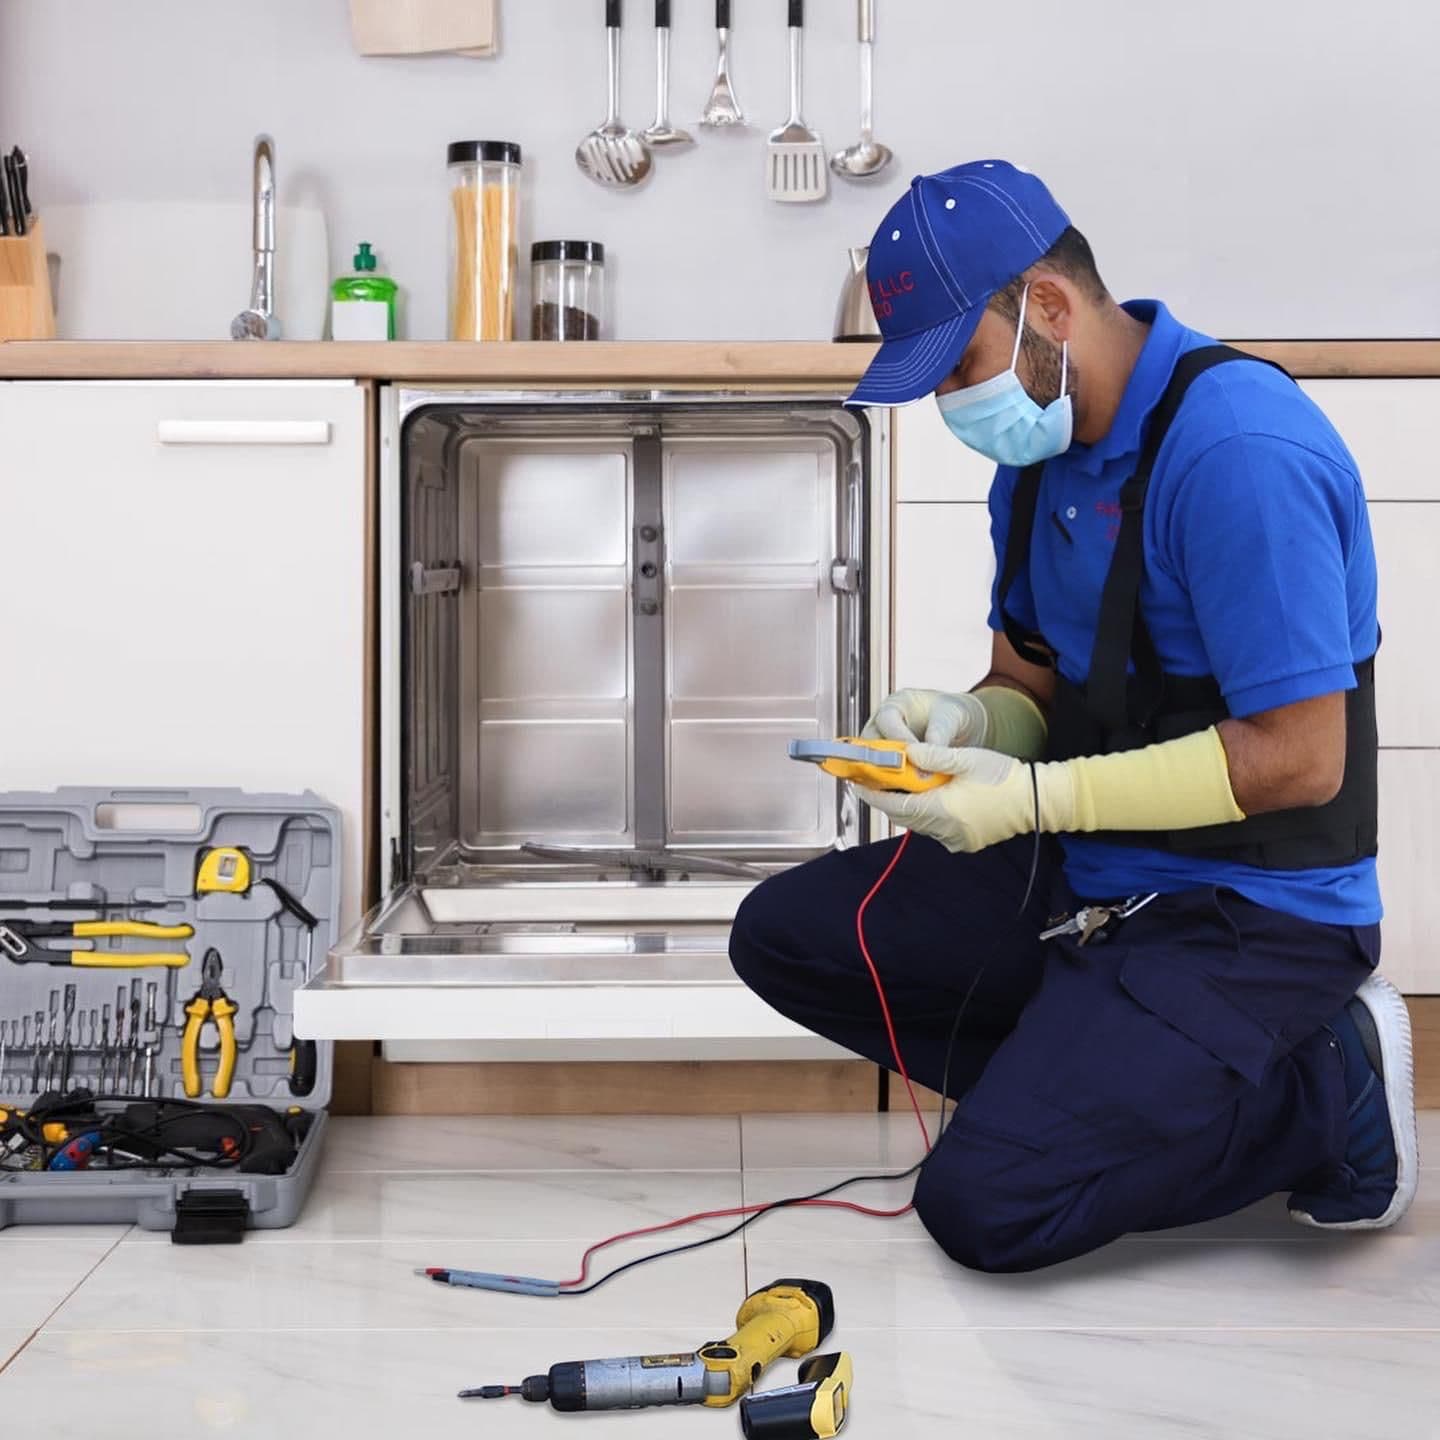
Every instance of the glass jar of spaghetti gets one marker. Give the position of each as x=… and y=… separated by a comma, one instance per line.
x=484, y=236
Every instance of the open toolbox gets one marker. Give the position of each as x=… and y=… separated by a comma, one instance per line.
x=151, y=944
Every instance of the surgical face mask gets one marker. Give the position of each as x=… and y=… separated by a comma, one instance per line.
x=1000, y=420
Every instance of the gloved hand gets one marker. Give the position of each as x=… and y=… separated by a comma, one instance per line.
x=990, y=799
x=1176, y=785
x=934, y=716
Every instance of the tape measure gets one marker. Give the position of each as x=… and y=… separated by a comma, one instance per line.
x=224, y=870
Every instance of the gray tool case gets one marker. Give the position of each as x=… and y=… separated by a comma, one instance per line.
x=136, y=855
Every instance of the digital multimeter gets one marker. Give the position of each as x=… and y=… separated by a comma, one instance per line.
x=878, y=764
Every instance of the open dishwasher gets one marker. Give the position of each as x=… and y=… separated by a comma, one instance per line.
x=603, y=616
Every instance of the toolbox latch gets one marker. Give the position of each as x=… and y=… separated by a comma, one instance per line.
x=210, y=1217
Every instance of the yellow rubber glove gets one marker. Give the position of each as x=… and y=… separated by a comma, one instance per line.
x=1177, y=785
x=1017, y=724
x=934, y=716
x=995, y=717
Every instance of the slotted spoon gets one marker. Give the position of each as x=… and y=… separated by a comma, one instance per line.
x=611, y=154
x=795, y=153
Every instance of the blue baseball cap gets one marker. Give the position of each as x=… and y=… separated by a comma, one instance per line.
x=943, y=250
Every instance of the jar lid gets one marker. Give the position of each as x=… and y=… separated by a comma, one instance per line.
x=493, y=152
x=591, y=250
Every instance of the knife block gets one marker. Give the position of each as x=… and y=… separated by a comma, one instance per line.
x=26, y=309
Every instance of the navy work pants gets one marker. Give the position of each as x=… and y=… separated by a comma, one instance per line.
x=1174, y=1070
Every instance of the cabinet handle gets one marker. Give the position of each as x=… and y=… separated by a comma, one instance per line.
x=243, y=432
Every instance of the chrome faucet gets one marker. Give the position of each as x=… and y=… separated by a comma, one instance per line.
x=259, y=322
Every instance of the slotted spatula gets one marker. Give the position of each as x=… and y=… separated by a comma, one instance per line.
x=795, y=153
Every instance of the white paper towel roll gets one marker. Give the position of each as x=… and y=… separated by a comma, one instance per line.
x=424, y=27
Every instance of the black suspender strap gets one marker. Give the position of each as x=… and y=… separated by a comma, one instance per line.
x=1017, y=557
x=1120, y=631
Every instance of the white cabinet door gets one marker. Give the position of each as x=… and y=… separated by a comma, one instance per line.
x=1407, y=684
x=944, y=568
x=930, y=463
x=183, y=588
x=1388, y=426
x=1409, y=862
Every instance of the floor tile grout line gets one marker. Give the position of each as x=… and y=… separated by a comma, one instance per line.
x=597, y=1170
x=744, y=1199
x=19, y=1350
x=849, y=1331
x=65, y=1299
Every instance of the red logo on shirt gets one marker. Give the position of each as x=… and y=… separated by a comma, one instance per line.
x=1110, y=509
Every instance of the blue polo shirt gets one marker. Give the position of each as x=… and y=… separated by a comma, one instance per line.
x=1259, y=570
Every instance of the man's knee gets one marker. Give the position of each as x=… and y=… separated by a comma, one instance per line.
x=969, y=1200
x=756, y=933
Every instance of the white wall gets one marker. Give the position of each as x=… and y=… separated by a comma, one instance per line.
x=1267, y=166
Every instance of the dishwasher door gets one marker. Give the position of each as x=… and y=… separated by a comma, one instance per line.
x=601, y=620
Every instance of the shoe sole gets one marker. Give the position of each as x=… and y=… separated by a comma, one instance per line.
x=1397, y=1055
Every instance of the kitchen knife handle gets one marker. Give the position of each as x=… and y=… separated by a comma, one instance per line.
x=722, y=14
x=612, y=14
x=797, y=14
x=662, y=14
x=22, y=169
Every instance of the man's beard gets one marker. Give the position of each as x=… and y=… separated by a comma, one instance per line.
x=1042, y=366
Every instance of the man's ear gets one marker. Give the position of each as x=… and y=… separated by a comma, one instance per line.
x=1052, y=312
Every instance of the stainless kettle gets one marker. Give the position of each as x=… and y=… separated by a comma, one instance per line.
x=855, y=316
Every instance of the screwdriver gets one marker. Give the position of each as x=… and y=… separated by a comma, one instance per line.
x=81, y=905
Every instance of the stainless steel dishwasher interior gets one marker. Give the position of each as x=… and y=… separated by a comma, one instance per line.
x=613, y=618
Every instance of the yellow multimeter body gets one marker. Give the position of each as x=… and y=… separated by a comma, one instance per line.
x=876, y=764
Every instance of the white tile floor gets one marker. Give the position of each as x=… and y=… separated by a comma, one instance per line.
x=1248, y=1329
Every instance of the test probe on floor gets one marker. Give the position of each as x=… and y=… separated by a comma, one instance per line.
x=818, y=1405
x=788, y=1317
x=572, y=1289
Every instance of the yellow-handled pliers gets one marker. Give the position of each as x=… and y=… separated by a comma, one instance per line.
x=209, y=1002
x=16, y=937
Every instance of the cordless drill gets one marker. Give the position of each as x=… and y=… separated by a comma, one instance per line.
x=789, y=1317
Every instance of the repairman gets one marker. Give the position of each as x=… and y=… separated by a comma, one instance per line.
x=1180, y=705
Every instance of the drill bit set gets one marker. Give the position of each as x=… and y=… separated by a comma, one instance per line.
x=151, y=947
x=105, y=1050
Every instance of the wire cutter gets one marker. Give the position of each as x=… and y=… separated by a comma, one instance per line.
x=16, y=937
x=208, y=1003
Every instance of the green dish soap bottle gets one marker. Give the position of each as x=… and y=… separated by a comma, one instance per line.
x=362, y=305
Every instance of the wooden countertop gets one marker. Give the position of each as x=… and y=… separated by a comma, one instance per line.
x=517, y=363
x=721, y=364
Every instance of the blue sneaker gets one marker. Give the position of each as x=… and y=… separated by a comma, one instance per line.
x=1375, y=1183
